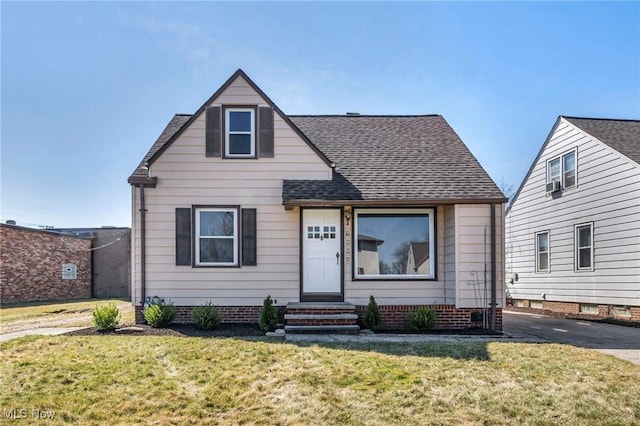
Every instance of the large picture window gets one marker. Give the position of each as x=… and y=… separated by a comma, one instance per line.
x=216, y=236
x=240, y=132
x=394, y=243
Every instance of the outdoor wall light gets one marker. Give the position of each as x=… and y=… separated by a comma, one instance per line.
x=347, y=215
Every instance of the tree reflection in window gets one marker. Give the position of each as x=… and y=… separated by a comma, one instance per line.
x=394, y=244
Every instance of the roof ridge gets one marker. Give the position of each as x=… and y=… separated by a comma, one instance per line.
x=365, y=115
x=601, y=119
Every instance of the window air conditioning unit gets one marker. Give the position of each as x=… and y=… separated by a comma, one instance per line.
x=553, y=187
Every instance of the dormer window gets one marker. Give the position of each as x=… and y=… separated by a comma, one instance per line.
x=240, y=132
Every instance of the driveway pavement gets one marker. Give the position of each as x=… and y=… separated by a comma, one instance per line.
x=620, y=341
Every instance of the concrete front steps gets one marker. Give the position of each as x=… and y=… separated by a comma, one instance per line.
x=321, y=318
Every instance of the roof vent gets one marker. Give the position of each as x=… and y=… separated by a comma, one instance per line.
x=353, y=114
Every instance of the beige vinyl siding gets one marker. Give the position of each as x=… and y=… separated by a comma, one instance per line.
x=607, y=195
x=186, y=177
x=473, y=252
x=398, y=292
x=450, y=254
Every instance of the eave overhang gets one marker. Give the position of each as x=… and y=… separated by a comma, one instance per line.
x=290, y=204
x=148, y=182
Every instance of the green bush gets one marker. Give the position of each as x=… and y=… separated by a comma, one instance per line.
x=160, y=314
x=268, y=315
x=206, y=317
x=371, y=318
x=106, y=317
x=422, y=318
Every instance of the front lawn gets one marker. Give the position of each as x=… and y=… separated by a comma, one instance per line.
x=70, y=313
x=178, y=380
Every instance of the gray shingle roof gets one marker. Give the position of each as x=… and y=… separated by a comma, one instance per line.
x=172, y=127
x=621, y=135
x=395, y=158
x=379, y=158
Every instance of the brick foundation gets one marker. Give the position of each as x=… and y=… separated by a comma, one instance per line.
x=394, y=317
x=572, y=310
x=448, y=317
x=31, y=265
x=230, y=314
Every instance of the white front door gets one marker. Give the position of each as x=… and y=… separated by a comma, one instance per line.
x=321, y=254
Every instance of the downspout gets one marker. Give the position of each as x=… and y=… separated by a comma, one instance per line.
x=493, y=266
x=143, y=266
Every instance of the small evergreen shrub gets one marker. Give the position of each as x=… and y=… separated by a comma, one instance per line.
x=371, y=318
x=106, y=317
x=160, y=314
x=268, y=318
x=422, y=318
x=206, y=317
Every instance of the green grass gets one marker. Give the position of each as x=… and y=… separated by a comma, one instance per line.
x=169, y=380
x=73, y=313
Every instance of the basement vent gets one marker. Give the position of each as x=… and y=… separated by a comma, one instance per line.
x=621, y=311
x=68, y=271
x=588, y=309
x=536, y=304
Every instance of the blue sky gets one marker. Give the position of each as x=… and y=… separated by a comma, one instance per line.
x=87, y=87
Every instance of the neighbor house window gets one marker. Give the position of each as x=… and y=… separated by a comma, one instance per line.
x=542, y=251
x=584, y=246
x=563, y=169
x=216, y=236
x=394, y=243
x=240, y=132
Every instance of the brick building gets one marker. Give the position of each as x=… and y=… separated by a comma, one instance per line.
x=43, y=265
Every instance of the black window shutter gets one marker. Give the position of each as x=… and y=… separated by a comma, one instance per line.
x=249, y=251
x=183, y=236
x=265, y=133
x=214, y=131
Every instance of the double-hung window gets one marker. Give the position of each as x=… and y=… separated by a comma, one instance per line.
x=584, y=246
x=394, y=244
x=563, y=169
x=240, y=138
x=542, y=251
x=216, y=236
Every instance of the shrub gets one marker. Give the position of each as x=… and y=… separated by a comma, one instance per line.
x=422, y=319
x=160, y=314
x=206, y=317
x=268, y=315
x=371, y=318
x=106, y=317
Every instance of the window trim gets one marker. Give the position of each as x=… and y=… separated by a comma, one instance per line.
x=548, y=252
x=196, y=237
x=561, y=179
x=240, y=108
x=430, y=211
x=576, y=242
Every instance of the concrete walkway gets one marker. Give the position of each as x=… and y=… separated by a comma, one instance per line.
x=48, y=331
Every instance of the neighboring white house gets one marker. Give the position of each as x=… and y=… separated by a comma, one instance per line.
x=239, y=201
x=573, y=227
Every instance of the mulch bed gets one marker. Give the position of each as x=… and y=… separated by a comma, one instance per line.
x=242, y=330
x=178, y=330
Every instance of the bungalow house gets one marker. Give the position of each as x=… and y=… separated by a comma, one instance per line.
x=238, y=201
x=573, y=227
